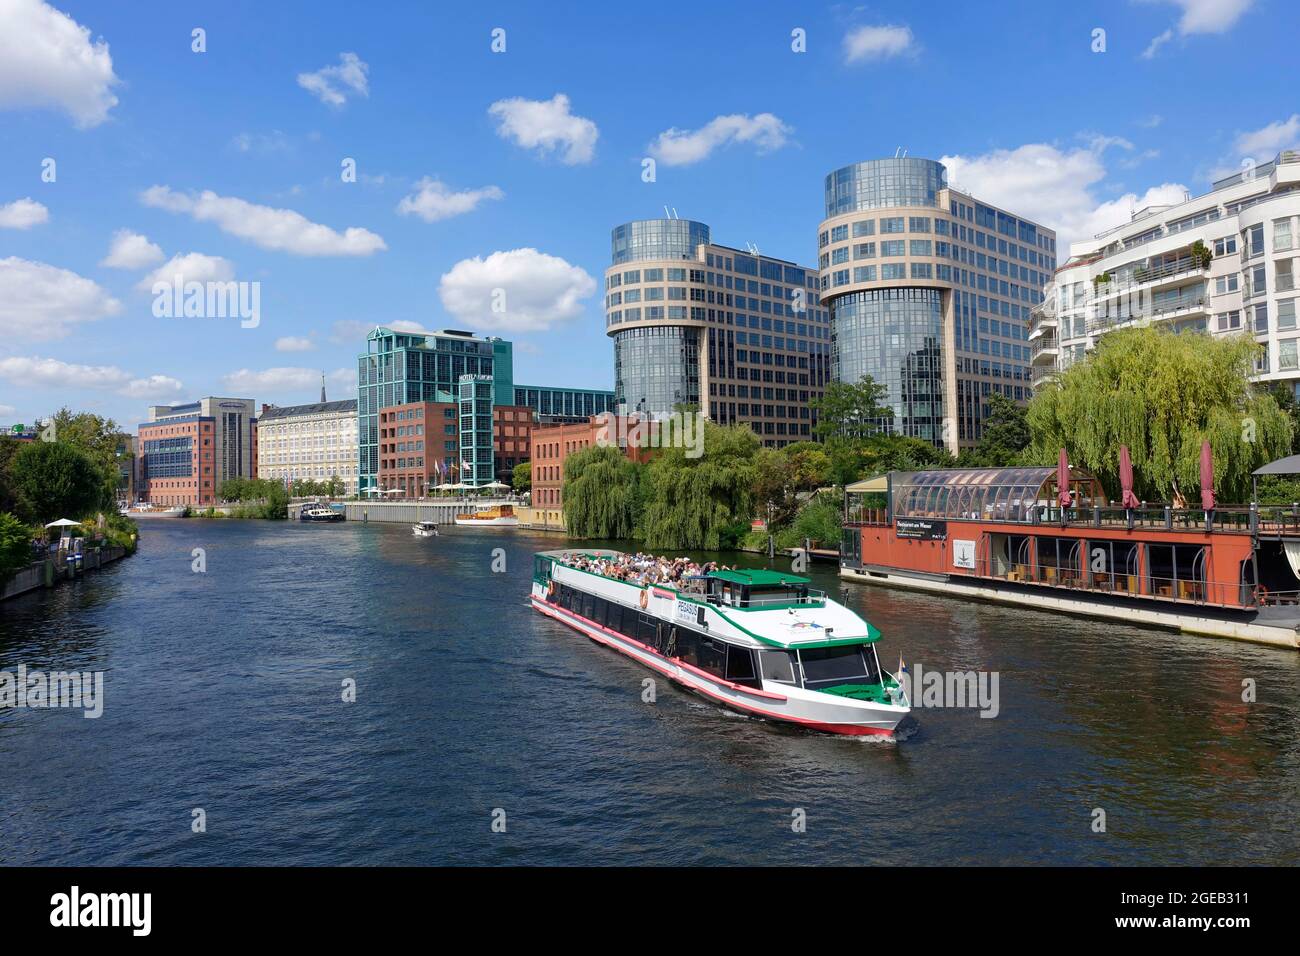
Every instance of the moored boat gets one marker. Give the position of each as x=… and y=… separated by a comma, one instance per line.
x=759, y=642
x=146, y=510
x=497, y=516
x=321, y=514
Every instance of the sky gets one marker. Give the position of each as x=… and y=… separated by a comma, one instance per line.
x=426, y=166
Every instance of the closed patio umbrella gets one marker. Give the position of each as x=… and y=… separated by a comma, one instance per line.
x=1127, y=498
x=1063, y=480
x=1207, y=477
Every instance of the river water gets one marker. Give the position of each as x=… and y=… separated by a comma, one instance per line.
x=223, y=693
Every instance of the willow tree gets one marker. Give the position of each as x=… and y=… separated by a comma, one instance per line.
x=602, y=493
x=1162, y=395
x=702, y=502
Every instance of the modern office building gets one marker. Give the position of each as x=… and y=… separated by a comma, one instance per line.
x=187, y=451
x=401, y=370
x=1225, y=262
x=737, y=334
x=929, y=292
x=313, y=442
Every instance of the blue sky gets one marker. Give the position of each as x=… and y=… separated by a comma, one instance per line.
x=479, y=171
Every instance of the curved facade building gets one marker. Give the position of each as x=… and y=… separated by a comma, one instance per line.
x=740, y=335
x=929, y=292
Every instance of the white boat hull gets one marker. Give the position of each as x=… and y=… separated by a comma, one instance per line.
x=509, y=522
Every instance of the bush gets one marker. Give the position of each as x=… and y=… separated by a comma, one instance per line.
x=15, y=546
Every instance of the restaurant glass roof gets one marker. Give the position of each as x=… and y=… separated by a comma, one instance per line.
x=990, y=494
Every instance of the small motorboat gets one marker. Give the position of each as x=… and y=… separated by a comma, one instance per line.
x=425, y=529
x=321, y=514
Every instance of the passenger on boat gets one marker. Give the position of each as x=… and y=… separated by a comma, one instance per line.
x=643, y=569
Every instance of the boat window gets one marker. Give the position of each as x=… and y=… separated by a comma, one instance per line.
x=647, y=632
x=777, y=666
x=740, y=666
x=687, y=646
x=838, y=665
x=711, y=656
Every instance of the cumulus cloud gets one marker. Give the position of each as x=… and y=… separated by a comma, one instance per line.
x=23, y=214
x=1265, y=143
x=520, y=290
x=354, y=331
x=1054, y=187
x=40, y=302
x=679, y=147
x=285, y=379
x=48, y=60
x=863, y=44
x=281, y=230
x=434, y=200
x=189, y=267
x=1200, y=16
x=55, y=373
x=294, y=343
x=547, y=126
x=333, y=84
x=131, y=250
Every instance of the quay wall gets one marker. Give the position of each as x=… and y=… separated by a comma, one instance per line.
x=48, y=572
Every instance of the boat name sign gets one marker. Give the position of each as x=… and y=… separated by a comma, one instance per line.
x=921, y=529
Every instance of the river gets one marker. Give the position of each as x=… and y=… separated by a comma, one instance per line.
x=224, y=704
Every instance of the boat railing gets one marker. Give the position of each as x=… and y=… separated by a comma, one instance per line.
x=1130, y=583
x=1267, y=520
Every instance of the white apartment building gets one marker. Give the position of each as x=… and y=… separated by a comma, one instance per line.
x=312, y=442
x=1149, y=271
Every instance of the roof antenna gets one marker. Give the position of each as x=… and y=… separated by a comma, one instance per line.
x=897, y=150
x=675, y=216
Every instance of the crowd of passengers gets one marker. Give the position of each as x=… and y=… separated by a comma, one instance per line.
x=642, y=569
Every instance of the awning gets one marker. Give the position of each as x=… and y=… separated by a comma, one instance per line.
x=1283, y=466
x=879, y=483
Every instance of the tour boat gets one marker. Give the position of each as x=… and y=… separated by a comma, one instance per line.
x=321, y=514
x=425, y=529
x=145, y=510
x=1006, y=535
x=498, y=516
x=758, y=642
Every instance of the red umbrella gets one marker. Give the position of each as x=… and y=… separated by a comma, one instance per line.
x=1207, y=477
x=1127, y=498
x=1063, y=480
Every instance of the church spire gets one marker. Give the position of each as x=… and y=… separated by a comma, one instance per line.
x=322, y=388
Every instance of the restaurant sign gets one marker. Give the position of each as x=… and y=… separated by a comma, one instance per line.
x=921, y=529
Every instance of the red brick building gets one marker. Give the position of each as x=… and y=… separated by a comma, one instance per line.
x=419, y=445
x=187, y=451
x=551, y=447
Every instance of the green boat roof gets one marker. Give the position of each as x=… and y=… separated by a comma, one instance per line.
x=759, y=577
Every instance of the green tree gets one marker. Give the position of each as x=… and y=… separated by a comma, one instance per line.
x=101, y=440
x=1005, y=436
x=56, y=480
x=15, y=546
x=336, y=486
x=522, y=477
x=1162, y=395
x=704, y=502
x=9, y=447
x=847, y=411
x=602, y=493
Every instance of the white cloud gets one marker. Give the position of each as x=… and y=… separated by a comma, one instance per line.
x=331, y=84
x=40, y=302
x=47, y=59
x=189, y=267
x=131, y=250
x=1201, y=16
x=294, y=343
x=433, y=200
x=23, y=214
x=679, y=147
x=1054, y=187
x=877, y=43
x=7, y=410
x=54, y=373
x=546, y=125
x=532, y=290
x=281, y=230
x=284, y=379
x=1263, y=144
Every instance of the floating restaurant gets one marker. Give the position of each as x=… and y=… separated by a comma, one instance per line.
x=1048, y=538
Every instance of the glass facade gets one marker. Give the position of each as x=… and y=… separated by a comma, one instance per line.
x=578, y=404
x=989, y=494
x=475, y=406
x=884, y=183
x=657, y=239
x=896, y=337
x=656, y=369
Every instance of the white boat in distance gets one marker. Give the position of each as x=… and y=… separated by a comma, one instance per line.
x=321, y=513
x=145, y=510
x=497, y=516
x=759, y=642
x=425, y=529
